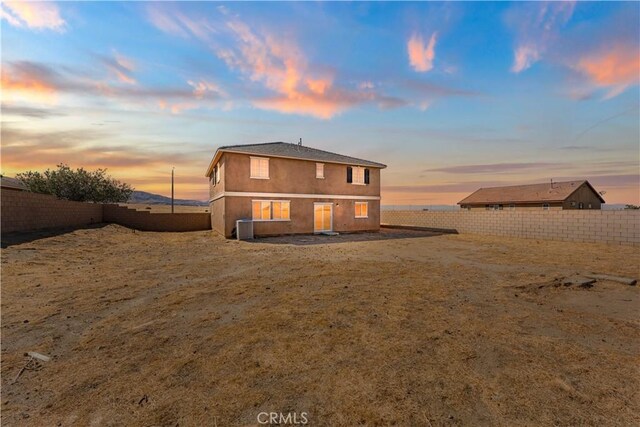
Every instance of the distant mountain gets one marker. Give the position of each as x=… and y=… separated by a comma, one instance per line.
x=157, y=199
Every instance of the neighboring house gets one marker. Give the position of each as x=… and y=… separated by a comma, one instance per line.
x=554, y=195
x=12, y=184
x=289, y=189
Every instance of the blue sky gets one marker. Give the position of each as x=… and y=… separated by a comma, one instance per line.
x=452, y=96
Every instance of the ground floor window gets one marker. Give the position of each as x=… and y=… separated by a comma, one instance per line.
x=362, y=209
x=270, y=210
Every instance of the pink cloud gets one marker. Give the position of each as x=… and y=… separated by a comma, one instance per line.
x=614, y=68
x=524, y=57
x=266, y=58
x=37, y=15
x=282, y=68
x=203, y=87
x=421, y=57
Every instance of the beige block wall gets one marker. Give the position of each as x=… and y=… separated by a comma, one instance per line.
x=26, y=211
x=616, y=227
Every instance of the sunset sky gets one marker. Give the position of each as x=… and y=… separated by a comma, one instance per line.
x=451, y=96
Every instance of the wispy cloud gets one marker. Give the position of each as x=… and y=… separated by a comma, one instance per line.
x=86, y=147
x=31, y=112
x=282, y=67
x=37, y=15
x=36, y=82
x=495, y=167
x=31, y=80
x=120, y=66
x=271, y=62
x=537, y=26
x=420, y=56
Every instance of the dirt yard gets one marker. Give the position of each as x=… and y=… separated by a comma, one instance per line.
x=405, y=328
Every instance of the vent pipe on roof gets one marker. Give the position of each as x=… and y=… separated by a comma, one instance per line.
x=551, y=182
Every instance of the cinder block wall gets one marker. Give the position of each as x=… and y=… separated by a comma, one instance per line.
x=147, y=221
x=25, y=211
x=617, y=227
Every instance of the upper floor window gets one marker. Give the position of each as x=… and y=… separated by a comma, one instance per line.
x=545, y=206
x=215, y=176
x=320, y=170
x=259, y=167
x=357, y=175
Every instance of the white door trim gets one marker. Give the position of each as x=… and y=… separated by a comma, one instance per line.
x=314, y=216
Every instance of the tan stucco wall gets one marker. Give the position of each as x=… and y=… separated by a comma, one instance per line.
x=585, y=195
x=217, y=215
x=301, y=214
x=294, y=176
x=218, y=188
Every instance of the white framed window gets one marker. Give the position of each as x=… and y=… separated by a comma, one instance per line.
x=218, y=174
x=271, y=210
x=545, y=206
x=259, y=168
x=358, y=175
x=320, y=170
x=362, y=210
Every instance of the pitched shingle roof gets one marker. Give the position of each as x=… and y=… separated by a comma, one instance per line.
x=13, y=183
x=293, y=151
x=533, y=193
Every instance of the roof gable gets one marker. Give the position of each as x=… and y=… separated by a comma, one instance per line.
x=13, y=183
x=556, y=192
x=292, y=151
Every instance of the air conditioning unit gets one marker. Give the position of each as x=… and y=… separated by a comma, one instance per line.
x=244, y=229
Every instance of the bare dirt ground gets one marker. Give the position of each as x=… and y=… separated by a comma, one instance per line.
x=407, y=329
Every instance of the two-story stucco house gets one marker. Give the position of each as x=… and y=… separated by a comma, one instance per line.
x=290, y=188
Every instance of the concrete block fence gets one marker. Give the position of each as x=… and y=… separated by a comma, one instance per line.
x=614, y=227
x=25, y=211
